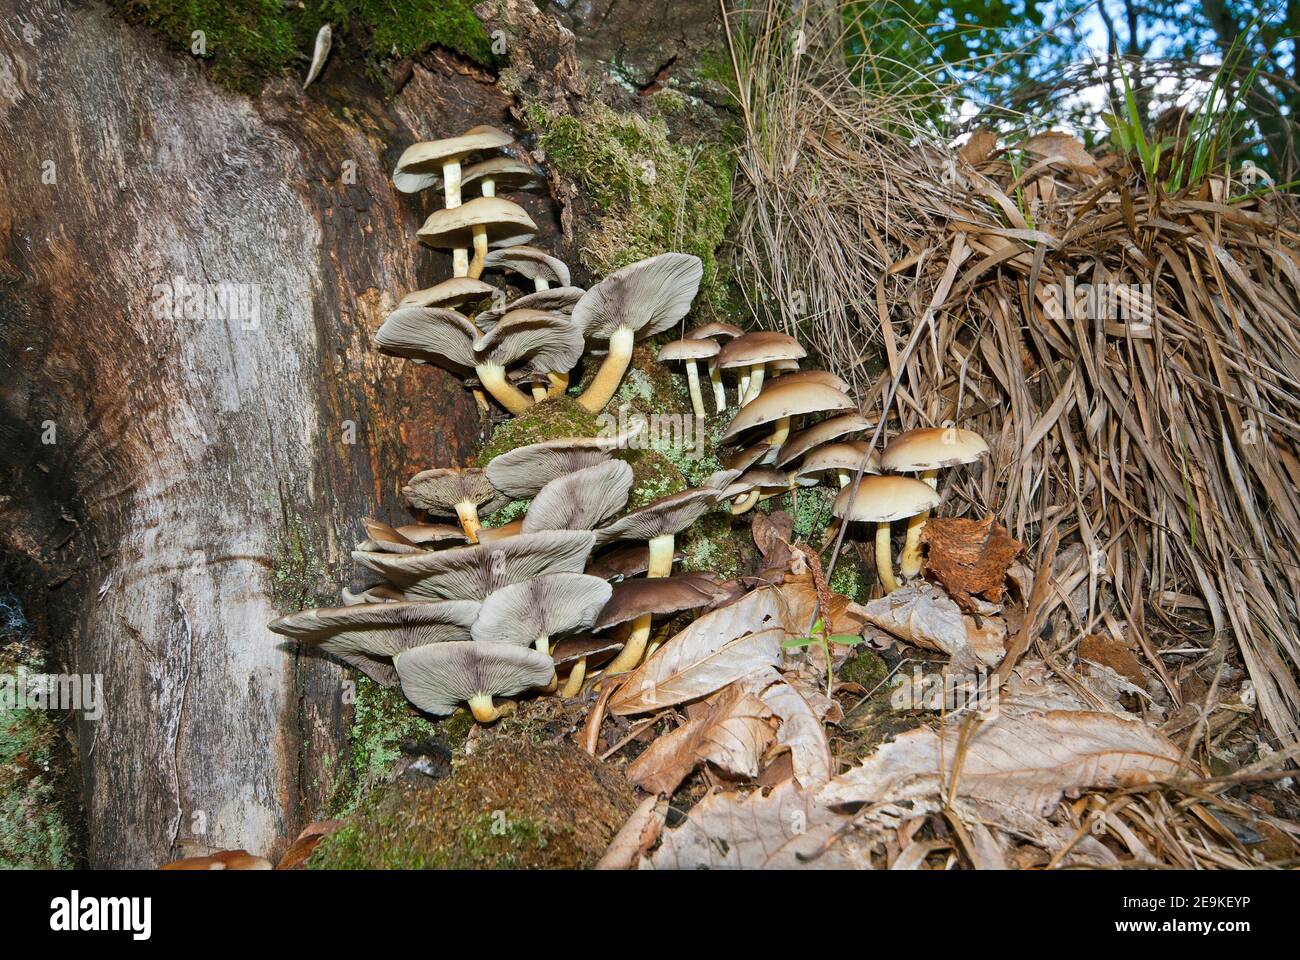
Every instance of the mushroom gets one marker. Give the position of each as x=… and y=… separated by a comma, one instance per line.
x=927, y=451
x=368, y=635
x=715, y=331
x=471, y=573
x=552, y=342
x=533, y=611
x=657, y=522
x=689, y=351
x=832, y=428
x=381, y=536
x=461, y=492
x=780, y=403
x=880, y=500
x=429, y=533
x=636, y=301
x=753, y=351
x=824, y=377
x=481, y=223
x=581, y=500
x=841, y=459
x=761, y=483
x=521, y=472
x=620, y=563
x=503, y=173
x=430, y=334
x=440, y=677
x=532, y=263
x=420, y=164
x=530, y=381
x=455, y=292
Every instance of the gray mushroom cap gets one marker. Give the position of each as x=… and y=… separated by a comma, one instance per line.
x=441, y=677
x=449, y=293
x=549, y=341
x=433, y=334
x=523, y=471
x=367, y=634
x=619, y=563
x=542, y=607
x=649, y=296
x=420, y=165
x=581, y=500
x=438, y=491
x=506, y=172
x=529, y=262
x=471, y=573
x=670, y=514
x=554, y=300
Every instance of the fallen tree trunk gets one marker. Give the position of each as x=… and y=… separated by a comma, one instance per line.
x=177, y=467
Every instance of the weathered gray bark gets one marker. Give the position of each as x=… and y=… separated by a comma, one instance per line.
x=202, y=468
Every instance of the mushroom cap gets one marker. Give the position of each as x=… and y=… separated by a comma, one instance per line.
x=365, y=635
x=776, y=368
x=670, y=514
x=420, y=164
x=432, y=334
x=881, y=499
x=809, y=376
x=764, y=346
x=507, y=173
x=523, y=471
x=549, y=341
x=932, y=448
x=839, y=456
x=583, y=645
x=797, y=444
x=420, y=533
x=634, y=598
x=471, y=573
x=449, y=293
x=529, y=262
x=789, y=401
x=765, y=477
x=715, y=329
x=554, y=300
x=581, y=500
x=505, y=222
x=438, y=491
x=440, y=677
x=619, y=563
x=688, y=350
x=746, y=457
x=386, y=538
x=545, y=606
x=648, y=296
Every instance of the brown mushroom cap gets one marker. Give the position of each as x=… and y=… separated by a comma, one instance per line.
x=670, y=514
x=505, y=222
x=619, y=563
x=713, y=330
x=788, y=401
x=634, y=598
x=422, y=533
x=932, y=449
x=440, y=677
x=581, y=500
x=449, y=293
x=420, y=165
x=521, y=472
x=839, y=456
x=746, y=457
x=583, y=646
x=439, y=491
x=542, y=607
x=688, y=350
x=764, y=346
x=824, y=377
x=471, y=573
x=507, y=174
x=432, y=334
x=648, y=296
x=765, y=477
x=366, y=635
x=554, y=300
x=829, y=429
x=881, y=499
x=529, y=262
x=549, y=341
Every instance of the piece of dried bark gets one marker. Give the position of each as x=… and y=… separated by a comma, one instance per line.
x=969, y=557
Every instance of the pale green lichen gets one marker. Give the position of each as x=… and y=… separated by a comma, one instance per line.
x=297, y=568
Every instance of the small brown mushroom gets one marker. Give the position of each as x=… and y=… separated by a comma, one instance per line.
x=461, y=492
x=503, y=173
x=753, y=352
x=532, y=263
x=880, y=500
x=479, y=224
x=781, y=403
x=832, y=428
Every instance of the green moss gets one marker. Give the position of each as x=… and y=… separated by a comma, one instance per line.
x=653, y=476
x=652, y=194
x=297, y=567
x=850, y=578
x=548, y=420
x=509, y=513
x=718, y=544
x=247, y=42
x=866, y=669
x=810, y=508
x=518, y=805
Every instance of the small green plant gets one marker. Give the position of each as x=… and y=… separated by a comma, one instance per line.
x=821, y=637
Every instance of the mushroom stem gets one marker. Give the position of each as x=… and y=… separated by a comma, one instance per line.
x=755, y=381
x=489, y=187
x=451, y=195
x=779, y=433
x=467, y=514
x=742, y=388
x=573, y=685
x=693, y=381
x=559, y=384
x=719, y=389
x=909, y=561
x=493, y=378
x=660, y=565
x=539, y=393
x=480, y=252
x=610, y=374
x=745, y=502
x=482, y=707
x=543, y=645
x=541, y=283
x=884, y=558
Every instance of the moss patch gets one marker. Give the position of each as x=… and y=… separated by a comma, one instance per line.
x=851, y=577
x=298, y=568
x=653, y=476
x=249, y=41
x=651, y=194
x=810, y=508
x=548, y=420
x=866, y=669
x=718, y=544
x=520, y=805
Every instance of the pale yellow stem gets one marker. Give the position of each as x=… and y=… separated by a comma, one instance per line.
x=559, y=384
x=693, y=381
x=778, y=435
x=573, y=685
x=755, y=383
x=660, y=565
x=451, y=183
x=909, y=561
x=467, y=514
x=539, y=393
x=489, y=187
x=884, y=558
x=610, y=374
x=543, y=645
x=745, y=502
x=493, y=378
x=480, y=252
x=719, y=388
x=482, y=707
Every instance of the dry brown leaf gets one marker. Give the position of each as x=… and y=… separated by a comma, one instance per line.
x=969, y=557
x=1109, y=652
x=635, y=838
x=731, y=737
x=800, y=592
x=302, y=848
x=1055, y=145
x=979, y=147
x=924, y=616
x=802, y=731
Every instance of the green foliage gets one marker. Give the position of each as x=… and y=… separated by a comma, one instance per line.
x=819, y=636
x=549, y=420
x=247, y=42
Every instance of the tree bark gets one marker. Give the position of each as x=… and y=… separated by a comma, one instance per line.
x=204, y=473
